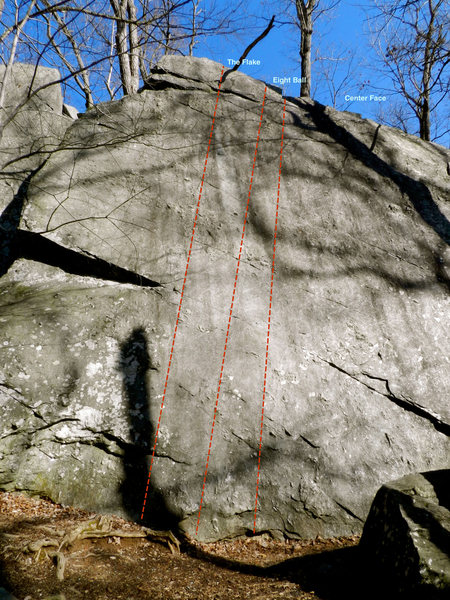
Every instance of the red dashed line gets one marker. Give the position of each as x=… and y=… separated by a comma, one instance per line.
x=231, y=313
x=268, y=320
x=181, y=297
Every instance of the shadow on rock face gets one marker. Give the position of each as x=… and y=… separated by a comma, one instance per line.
x=9, y=224
x=417, y=192
x=134, y=363
x=439, y=480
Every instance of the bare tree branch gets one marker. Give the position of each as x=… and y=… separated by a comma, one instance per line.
x=249, y=48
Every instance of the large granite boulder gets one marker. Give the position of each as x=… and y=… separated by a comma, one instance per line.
x=406, y=538
x=358, y=353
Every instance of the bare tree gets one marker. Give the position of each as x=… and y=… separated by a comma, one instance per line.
x=80, y=73
x=307, y=13
x=127, y=46
x=413, y=43
x=303, y=16
x=336, y=71
x=305, y=9
x=106, y=46
x=196, y=11
x=106, y=35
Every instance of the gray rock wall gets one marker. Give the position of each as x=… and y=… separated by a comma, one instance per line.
x=357, y=388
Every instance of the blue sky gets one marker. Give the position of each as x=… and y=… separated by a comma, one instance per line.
x=278, y=52
x=278, y=55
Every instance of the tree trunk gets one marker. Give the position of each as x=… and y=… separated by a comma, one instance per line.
x=167, y=32
x=195, y=12
x=424, y=119
x=134, y=47
x=305, y=58
x=127, y=45
x=305, y=10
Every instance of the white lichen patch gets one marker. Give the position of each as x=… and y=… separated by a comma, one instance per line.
x=64, y=433
x=93, y=368
x=91, y=345
x=90, y=417
x=164, y=435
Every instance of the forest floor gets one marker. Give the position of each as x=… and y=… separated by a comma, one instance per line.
x=44, y=555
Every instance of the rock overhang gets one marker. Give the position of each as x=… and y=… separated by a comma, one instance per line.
x=205, y=74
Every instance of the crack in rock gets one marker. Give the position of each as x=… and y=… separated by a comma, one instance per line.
x=34, y=246
x=9, y=389
x=403, y=402
x=348, y=511
x=156, y=82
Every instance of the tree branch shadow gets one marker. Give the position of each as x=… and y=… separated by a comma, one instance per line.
x=417, y=192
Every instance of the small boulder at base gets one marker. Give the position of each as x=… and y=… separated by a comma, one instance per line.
x=406, y=538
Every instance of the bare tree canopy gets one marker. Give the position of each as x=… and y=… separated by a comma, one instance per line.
x=106, y=47
x=412, y=39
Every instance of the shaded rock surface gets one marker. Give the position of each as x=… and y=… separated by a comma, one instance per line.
x=406, y=538
x=358, y=377
x=32, y=88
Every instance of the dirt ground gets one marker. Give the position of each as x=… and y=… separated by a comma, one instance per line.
x=40, y=559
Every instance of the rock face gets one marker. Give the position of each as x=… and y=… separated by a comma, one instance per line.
x=70, y=111
x=31, y=128
x=406, y=538
x=31, y=121
x=32, y=89
x=357, y=377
